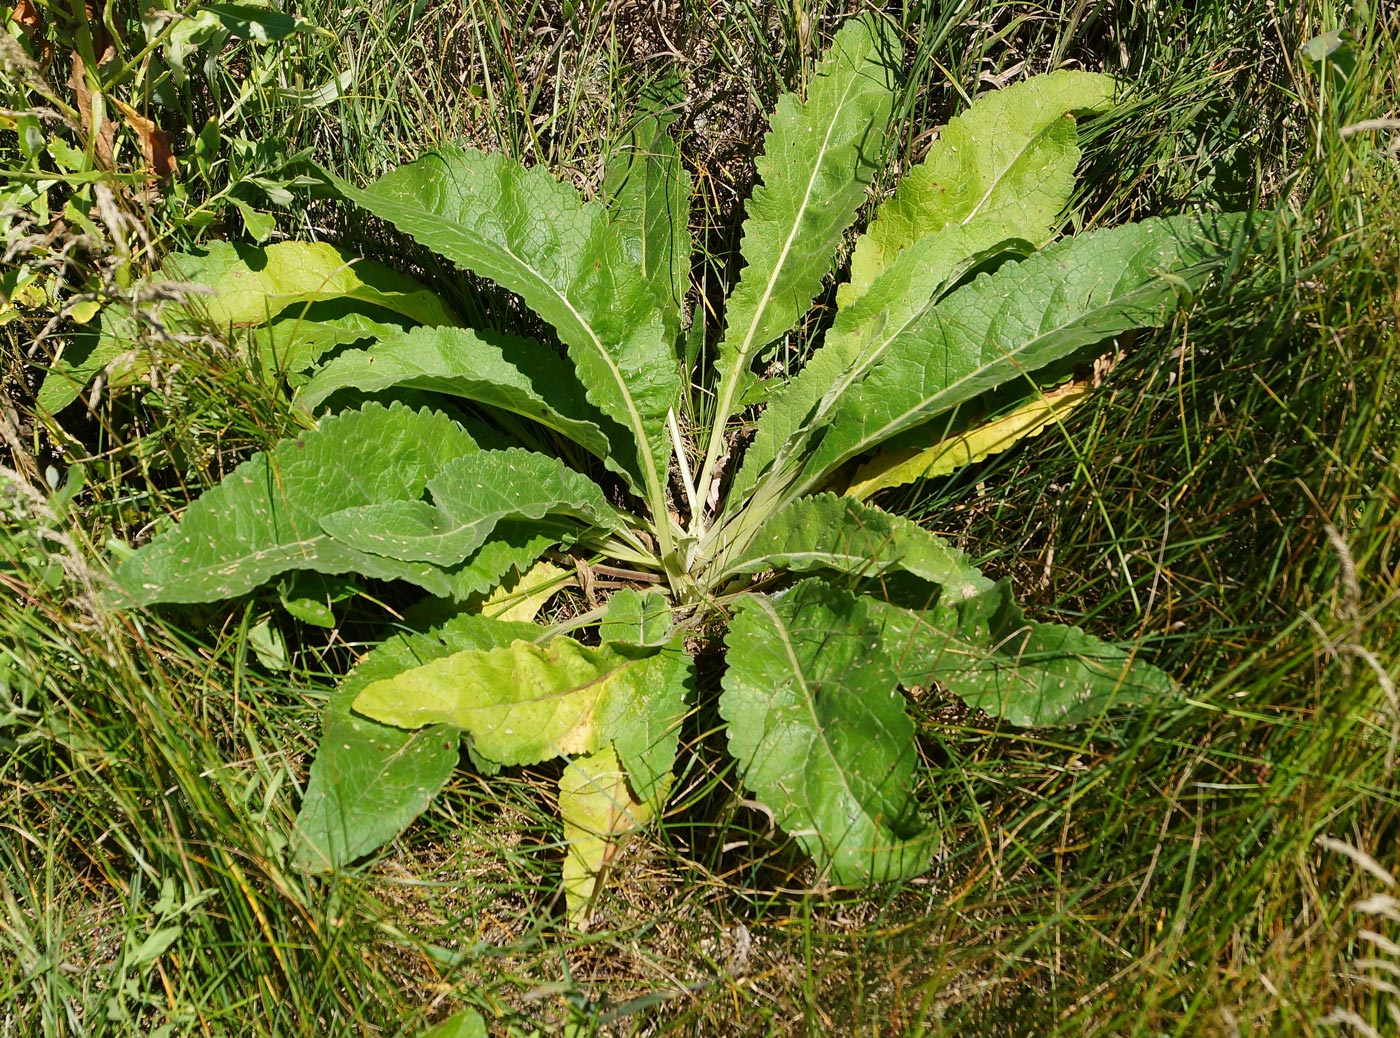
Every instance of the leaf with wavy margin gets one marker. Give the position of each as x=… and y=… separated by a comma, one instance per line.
x=529, y=380
x=818, y=158
x=471, y=494
x=820, y=731
x=1024, y=317
x=1011, y=155
x=861, y=333
x=535, y=236
x=826, y=532
x=370, y=780
x=265, y=517
x=524, y=703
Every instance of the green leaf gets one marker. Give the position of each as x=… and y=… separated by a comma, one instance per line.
x=861, y=334
x=1011, y=155
x=471, y=494
x=299, y=337
x=648, y=192
x=116, y=347
x=826, y=532
x=525, y=703
x=370, y=780
x=466, y=1024
x=264, y=518
x=598, y=811
x=1032, y=674
x=636, y=618
x=466, y=364
x=819, y=728
x=818, y=158
x=251, y=285
x=1025, y=316
x=536, y=237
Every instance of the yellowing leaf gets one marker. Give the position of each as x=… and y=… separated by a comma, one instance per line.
x=599, y=810
x=895, y=468
x=523, y=601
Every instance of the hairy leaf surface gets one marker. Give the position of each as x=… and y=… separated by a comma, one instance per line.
x=471, y=494
x=370, y=780
x=636, y=618
x=535, y=236
x=533, y=382
x=1011, y=155
x=820, y=730
x=1025, y=316
x=818, y=157
x=264, y=518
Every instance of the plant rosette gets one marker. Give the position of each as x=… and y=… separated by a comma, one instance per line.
x=719, y=512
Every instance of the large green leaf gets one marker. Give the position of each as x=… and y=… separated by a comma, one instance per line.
x=251, y=285
x=370, y=780
x=861, y=333
x=463, y=363
x=536, y=237
x=826, y=532
x=1011, y=155
x=471, y=494
x=818, y=158
x=1027, y=315
x=820, y=730
x=648, y=192
x=264, y=518
x=524, y=703
x=983, y=649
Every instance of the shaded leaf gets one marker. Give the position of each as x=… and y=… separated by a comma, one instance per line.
x=648, y=192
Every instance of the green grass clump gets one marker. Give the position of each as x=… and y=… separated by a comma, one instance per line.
x=1218, y=866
